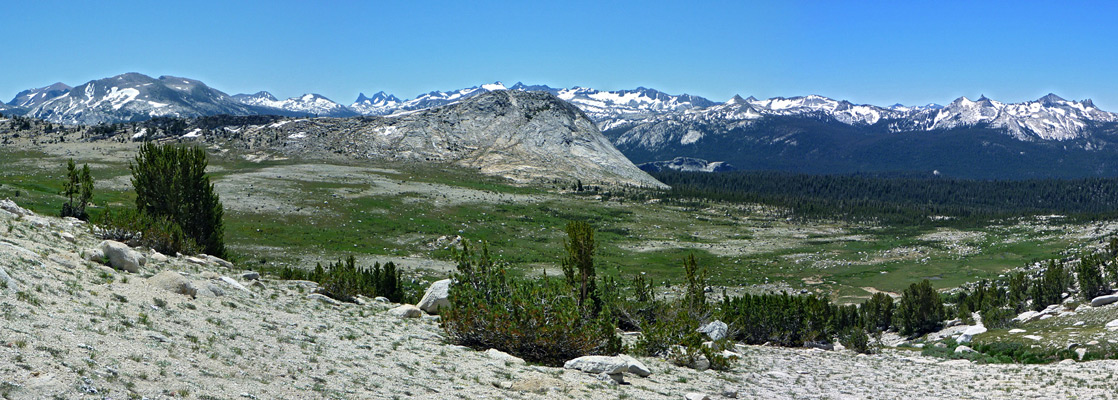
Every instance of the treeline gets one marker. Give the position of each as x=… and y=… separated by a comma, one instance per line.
x=344, y=280
x=901, y=199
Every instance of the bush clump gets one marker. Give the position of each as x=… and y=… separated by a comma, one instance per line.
x=344, y=281
x=539, y=320
x=136, y=229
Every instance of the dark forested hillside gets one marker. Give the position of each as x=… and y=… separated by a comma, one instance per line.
x=898, y=197
x=821, y=145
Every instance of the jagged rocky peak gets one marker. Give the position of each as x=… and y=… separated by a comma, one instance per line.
x=1051, y=99
x=378, y=98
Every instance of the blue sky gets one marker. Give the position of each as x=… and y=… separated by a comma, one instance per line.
x=867, y=52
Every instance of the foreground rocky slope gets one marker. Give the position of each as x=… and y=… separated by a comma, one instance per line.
x=79, y=329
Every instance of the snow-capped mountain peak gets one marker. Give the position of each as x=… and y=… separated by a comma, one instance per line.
x=380, y=104
x=307, y=104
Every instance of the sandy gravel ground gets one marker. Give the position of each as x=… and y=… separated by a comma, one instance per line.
x=76, y=329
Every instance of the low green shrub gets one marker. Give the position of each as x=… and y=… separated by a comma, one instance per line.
x=539, y=320
x=856, y=339
x=126, y=225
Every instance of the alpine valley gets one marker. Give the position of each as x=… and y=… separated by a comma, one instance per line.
x=983, y=138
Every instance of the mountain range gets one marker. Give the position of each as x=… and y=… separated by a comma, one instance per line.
x=974, y=138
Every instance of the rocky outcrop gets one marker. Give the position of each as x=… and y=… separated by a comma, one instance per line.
x=525, y=136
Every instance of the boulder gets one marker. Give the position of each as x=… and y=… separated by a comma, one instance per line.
x=406, y=311
x=598, y=364
x=216, y=260
x=715, y=330
x=11, y=206
x=964, y=349
x=970, y=332
x=211, y=290
x=121, y=256
x=636, y=367
x=323, y=298
x=1104, y=300
x=502, y=356
x=436, y=296
x=173, y=282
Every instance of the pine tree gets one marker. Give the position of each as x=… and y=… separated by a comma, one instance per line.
x=79, y=183
x=579, y=265
x=171, y=182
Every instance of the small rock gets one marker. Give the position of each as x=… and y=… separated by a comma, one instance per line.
x=195, y=260
x=598, y=364
x=964, y=349
x=1016, y=330
x=436, y=296
x=1104, y=300
x=715, y=330
x=1112, y=325
x=236, y=285
x=95, y=255
x=67, y=237
x=406, y=311
x=323, y=298
x=250, y=276
x=158, y=338
x=173, y=282
x=381, y=299
x=121, y=256
x=730, y=392
x=696, y=396
x=613, y=379
x=1081, y=352
x=158, y=257
x=1032, y=337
